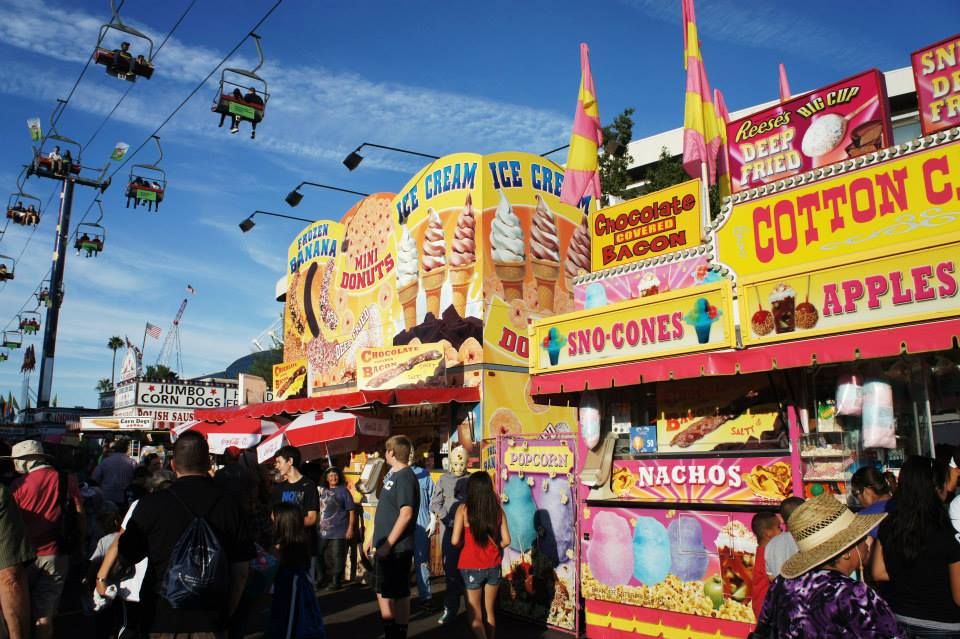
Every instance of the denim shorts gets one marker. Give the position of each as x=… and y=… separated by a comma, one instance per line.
x=476, y=578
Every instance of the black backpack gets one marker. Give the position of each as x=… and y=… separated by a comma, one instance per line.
x=197, y=574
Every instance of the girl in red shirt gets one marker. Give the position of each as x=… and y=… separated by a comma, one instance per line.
x=482, y=528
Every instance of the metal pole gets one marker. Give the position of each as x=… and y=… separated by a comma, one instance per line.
x=56, y=294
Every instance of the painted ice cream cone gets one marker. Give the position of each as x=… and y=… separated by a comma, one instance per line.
x=432, y=283
x=578, y=254
x=460, y=278
x=506, y=246
x=511, y=275
x=463, y=256
x=545, y=246
x=408, y=300
x=434, y=262
x=407, y=283
x=545, y=273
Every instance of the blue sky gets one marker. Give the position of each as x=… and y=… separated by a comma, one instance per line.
x=428, y=76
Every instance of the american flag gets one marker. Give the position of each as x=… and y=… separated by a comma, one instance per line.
x=190, y=289
x=153, y=331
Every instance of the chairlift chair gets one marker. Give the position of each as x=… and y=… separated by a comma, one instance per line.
x=147, y=182
x=42, y=164
x=122, y=64
x=17, y=211
x=29, y=322
x=43, y=294
x=12, y=339
x=227, y=101
x=90, y=238
x=7, y=267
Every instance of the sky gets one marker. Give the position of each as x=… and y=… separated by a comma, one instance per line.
x=434, y=77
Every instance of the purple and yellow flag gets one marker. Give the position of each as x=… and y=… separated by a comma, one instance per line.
x=723, y=168
x=701, y=131
x=582, y=175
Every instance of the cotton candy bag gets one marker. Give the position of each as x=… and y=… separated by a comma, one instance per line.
x=879, y=423
x=849, y=395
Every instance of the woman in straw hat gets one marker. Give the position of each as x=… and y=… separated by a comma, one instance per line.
x=919, y=554
x=814, y=596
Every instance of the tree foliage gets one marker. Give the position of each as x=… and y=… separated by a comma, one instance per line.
x=668, y=171
x=161, y=372
x=114, y=344
x=614, y=177
x=104, y=385
x=262, y=364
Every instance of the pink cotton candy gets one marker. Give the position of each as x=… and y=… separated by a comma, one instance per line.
x=879, y=423
x=610, y=553
x=849, y=394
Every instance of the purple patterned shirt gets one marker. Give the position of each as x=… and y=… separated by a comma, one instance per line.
x=822, y=604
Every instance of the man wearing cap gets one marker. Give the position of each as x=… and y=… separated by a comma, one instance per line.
x=39, y=494
x=815, y=597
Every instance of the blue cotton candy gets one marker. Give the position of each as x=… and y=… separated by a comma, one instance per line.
x=521, y=511
x=651, y=551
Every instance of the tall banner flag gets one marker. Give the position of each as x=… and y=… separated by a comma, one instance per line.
x=582, y=175
x=36, y=132
x=153, y=331
x=784, y=85
x=723, y=167
x=701, y=131
x=119, y=151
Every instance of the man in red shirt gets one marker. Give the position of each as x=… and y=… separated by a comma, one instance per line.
x=37, y=494
x=765, y=526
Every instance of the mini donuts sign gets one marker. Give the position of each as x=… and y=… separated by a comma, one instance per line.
x=648, y=226
x=844, y=120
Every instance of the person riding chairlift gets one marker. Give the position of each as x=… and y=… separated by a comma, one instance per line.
x=31, y=216
x=4, y=273
x=123, y=65
x=56, y=160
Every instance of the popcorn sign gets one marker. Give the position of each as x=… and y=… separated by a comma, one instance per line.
x=539, y=459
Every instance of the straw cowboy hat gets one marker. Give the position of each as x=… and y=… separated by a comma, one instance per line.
x=28, y=449
x=823, y=528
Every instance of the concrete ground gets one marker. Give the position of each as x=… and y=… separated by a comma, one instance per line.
x=350, y=613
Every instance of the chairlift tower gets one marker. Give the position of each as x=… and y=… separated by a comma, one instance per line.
x=69, y=178
x=171, y=345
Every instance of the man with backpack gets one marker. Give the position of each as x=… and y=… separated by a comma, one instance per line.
x=198, y=556
x=46, y=499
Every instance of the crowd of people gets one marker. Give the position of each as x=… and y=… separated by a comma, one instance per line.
x=903, y=546
x=265, y=531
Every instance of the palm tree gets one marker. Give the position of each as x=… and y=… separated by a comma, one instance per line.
x=104, y=385
x=114, y=344
x=161, y=372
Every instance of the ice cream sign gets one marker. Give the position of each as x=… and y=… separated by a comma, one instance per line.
x=687, y=321
x=646, y=227
x=913, y=197
x=844, y=120
x=936, y=71
x=913, y=285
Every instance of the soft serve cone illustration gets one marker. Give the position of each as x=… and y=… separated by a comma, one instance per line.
x=463, y=256
x=578, y=254
x=545, y=246
x=407, y=283
x=506, y=244
x=434, y=261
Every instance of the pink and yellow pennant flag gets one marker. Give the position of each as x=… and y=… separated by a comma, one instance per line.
x=582, y=175
x=723, y=168
x=701, y=131
x=784, y=85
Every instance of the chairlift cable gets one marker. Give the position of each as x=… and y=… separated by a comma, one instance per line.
x=201, y=85
x=130, y=88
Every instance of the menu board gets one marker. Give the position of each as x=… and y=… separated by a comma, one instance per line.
x=844, y=120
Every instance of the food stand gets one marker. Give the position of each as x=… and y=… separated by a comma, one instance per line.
x=414, y=307
x=813, y=331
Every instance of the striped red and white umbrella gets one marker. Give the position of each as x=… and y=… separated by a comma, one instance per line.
x=323, y=433
x=242, y=432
